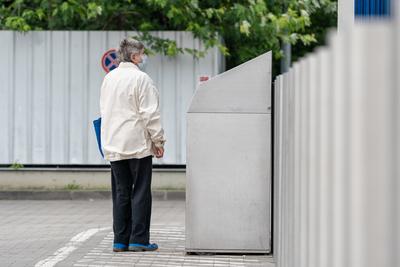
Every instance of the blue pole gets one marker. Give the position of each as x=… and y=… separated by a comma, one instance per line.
x=373, y=7
x=361, y=7
x=358, y=6
x=387, y=7
x=384, y=11
x=378, y=7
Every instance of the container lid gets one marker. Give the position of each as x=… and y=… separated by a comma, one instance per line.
x=243, y=89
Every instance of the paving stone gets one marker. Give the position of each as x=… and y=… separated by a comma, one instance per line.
x=31, y=231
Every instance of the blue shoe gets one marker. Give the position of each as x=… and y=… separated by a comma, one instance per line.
x=119, y=247
x=141, y=247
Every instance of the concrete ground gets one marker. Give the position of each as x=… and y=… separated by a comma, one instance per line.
x=81, y=178
x=78, y=233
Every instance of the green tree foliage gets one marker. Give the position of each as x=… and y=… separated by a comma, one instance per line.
x=241, y=29
x=323, y=16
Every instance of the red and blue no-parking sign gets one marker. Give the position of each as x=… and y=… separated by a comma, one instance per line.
x=109, y=60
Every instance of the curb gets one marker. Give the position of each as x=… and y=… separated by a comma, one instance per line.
x=164, y=195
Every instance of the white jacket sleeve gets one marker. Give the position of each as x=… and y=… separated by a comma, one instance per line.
x=149, y=110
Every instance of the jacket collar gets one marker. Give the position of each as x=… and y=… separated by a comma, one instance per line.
x=127, y=65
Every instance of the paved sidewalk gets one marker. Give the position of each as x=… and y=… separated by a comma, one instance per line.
x=78, y=233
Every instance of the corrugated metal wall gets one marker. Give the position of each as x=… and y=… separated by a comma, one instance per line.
x=50, y=88
x=367, y=8
x=336, y=182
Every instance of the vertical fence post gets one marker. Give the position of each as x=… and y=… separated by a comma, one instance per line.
x=304, y=165
x=325, y=109
x=396, y=141
x=292, y=189
x=371, y=139
x=296, y=164
x=313, y=179
x=340, y=154
x=277, y=171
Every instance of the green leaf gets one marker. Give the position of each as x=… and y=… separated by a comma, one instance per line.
x=93, y=10
x=40, y=14
x=245, y=27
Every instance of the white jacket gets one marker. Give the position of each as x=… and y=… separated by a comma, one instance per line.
x=130, y=114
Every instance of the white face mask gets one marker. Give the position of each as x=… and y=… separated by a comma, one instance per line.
x=143, y=63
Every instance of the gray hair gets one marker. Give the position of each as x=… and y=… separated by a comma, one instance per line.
x=127, y=48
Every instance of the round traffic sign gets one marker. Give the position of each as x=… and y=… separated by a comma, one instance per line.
x=109, y=60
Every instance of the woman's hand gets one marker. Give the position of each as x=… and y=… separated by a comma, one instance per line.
x=158, y=151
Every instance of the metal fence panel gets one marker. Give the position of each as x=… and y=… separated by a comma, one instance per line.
x=50, y=93
x=337, y=153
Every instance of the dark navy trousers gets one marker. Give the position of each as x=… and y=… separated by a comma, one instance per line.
x=131, y=196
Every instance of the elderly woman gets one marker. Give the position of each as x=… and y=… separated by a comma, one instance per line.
x=131, y=135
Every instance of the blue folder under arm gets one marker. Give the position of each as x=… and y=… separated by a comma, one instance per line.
x=97, y=130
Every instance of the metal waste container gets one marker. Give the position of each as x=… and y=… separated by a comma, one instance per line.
x=228, y=191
